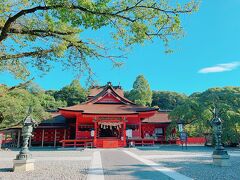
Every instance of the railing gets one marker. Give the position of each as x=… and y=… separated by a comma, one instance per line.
x=77, y=143
x=141, y=142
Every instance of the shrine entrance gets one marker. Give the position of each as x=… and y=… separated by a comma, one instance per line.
x=112, y=130
x=110, y=133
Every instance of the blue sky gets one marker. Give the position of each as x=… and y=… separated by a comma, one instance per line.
x=208, y=56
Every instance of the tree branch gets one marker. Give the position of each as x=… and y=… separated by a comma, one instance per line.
x=10, y=20
x=154, y=7
x=26, y=54
x=38, y=32
x=21, y=85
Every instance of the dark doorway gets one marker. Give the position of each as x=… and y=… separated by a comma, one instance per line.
x=72, y=132
x=109, y=132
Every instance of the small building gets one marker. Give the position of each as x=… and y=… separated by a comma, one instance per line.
x=106, y=120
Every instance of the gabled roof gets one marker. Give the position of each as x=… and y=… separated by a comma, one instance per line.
x=108, y=89
x=118, y=105
x=95, y=90
x=158, y=117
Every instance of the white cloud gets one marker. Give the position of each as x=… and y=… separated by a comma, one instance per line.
x=220, y=68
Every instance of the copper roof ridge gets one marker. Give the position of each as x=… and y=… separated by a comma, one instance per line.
x=106, y=87
x=108, y=83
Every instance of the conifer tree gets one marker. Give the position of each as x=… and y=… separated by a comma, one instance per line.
x=141, y=93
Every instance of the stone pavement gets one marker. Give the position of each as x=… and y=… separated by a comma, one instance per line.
x=49, y=165
x=146, y=163
x=194, y=162
x=120, y=166
x=167, y=162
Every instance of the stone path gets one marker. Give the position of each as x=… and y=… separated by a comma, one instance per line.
x=95, y=170
x=195, y=162
x=120, y=166
x=48, y=165
x=160, y=163
x=159, y=167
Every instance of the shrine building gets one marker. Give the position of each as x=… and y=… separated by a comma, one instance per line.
x=106, y=120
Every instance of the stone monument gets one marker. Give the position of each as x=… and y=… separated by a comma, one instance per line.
x=24, y=161
x=220, y=155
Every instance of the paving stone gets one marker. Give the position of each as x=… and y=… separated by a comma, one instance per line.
x=117, y=165
x=48, y=165
x=195, y=162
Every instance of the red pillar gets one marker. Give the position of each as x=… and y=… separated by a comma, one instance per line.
x=124, y=133
x=164, y=133
x=95, y=134
x=76, y=133
x=140, y=127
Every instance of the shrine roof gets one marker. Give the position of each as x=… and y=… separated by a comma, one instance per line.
x=56, y=118
x=109, y=100
x=158, y=117
x=108, y=108
x=116, y=91
x=95, y=90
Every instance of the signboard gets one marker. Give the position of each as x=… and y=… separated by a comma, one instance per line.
x=180, y=127
x=183, y=136
x=92, y=133
x=102, y=118
x=1, y=138
x=129, y=133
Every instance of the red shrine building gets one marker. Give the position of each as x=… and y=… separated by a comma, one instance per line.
x=106, y=120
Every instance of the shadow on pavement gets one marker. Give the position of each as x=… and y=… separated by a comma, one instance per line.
x=6, y=170
x=202, y=168
x=135, y=171
x=176, y=148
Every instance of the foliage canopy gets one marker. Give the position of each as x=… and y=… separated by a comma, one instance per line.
x=72, y=94
x=14, y=105
x=167, y=100
x=141, y=93
x=196, y=112
x=39, y=32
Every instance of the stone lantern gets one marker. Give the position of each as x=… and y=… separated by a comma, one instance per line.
x=24, y=161
x=220, y=155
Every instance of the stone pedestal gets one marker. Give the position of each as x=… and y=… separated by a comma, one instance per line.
x=23, y=165
x=221, y=160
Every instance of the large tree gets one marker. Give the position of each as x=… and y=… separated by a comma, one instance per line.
x=167, y=100
x=196, y=112
x=38, y=32
x=72, y=94
x=14, y=105
x=141, y=93
x=47, y=100
x=15, y=102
